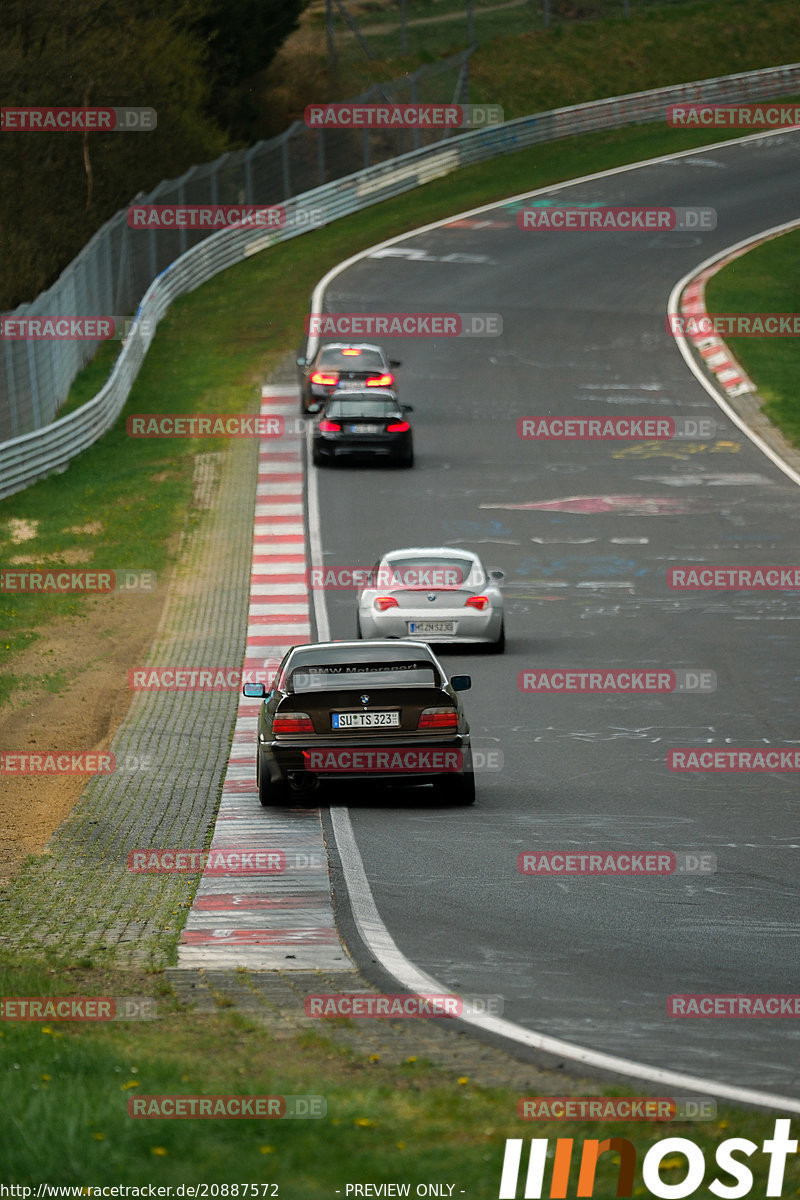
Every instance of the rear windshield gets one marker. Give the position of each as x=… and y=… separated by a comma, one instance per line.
x=368, y=407
x=314, y=678
x=351, y=360
x=423, y=571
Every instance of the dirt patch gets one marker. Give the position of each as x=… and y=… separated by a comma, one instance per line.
x=94, y=650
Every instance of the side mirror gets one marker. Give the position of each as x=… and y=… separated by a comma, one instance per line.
x=460, y=683
x=395, y=362
x=497, y=576
x=313, y=408
x=301, y=362
x=256, y=691
x=407, y=407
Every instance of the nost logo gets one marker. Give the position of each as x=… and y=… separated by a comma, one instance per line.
x=557, y=1159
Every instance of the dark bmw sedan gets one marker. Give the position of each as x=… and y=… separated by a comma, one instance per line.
x=364, y=424
x=382, y=712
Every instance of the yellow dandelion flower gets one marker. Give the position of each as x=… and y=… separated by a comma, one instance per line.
x=374, y=1058
x=159, y=1151
x=132, y=1083
x=462, y=1079
x=670, y=1164
x=267, y=1149
x=364, y=1122
x=99, y=1137
x=45, y=1078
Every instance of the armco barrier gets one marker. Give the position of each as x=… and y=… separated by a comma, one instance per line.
x=30, y=457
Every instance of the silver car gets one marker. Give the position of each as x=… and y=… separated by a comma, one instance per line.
x=434, y=594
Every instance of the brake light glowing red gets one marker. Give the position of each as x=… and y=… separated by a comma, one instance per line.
x=384, y=602
x=293, y=723
x=438, y=718
x=327, y=426
x=326, y=378
x=380, y=381
x=398, y=427
x=480, y=602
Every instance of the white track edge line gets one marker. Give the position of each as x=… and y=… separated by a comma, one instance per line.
x=381, y=944
x=371, y=928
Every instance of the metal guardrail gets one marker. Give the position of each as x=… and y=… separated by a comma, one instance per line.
x=30, y=457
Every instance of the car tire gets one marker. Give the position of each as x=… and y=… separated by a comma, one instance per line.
x=317, y=459
x=499, y=646
x=458, y=789
x=268, y=792
x=408, y=462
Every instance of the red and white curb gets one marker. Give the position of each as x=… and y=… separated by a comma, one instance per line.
x=268, y=920
x=712, y=350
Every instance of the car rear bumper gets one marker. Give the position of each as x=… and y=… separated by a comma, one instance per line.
x=471, y=625
x=386, y=760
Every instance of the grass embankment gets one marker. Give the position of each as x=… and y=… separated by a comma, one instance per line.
x=65, y=1087
x=526, y=68
x=766, y=280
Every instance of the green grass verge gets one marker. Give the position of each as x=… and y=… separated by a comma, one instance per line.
x=528, y=69
x=766, y=280
x=64, y=1089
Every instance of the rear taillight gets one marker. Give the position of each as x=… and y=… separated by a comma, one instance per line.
x=326, y=426
x=438, y=718
x=293, y=723
x=380, y=381
x=384, y=602
x=480, y=602
x=398, y=427
x=326, y=378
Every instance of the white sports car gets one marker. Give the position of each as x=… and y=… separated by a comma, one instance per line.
x=434, y=594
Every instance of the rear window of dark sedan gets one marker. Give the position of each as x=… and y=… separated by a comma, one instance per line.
x=314, y=678
x=361, y=408
x=362, y=360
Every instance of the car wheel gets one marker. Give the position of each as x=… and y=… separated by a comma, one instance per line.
x=458, y=789
x=408, y=462
x=499, y=646
x=316, y=459
x=268, y=792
